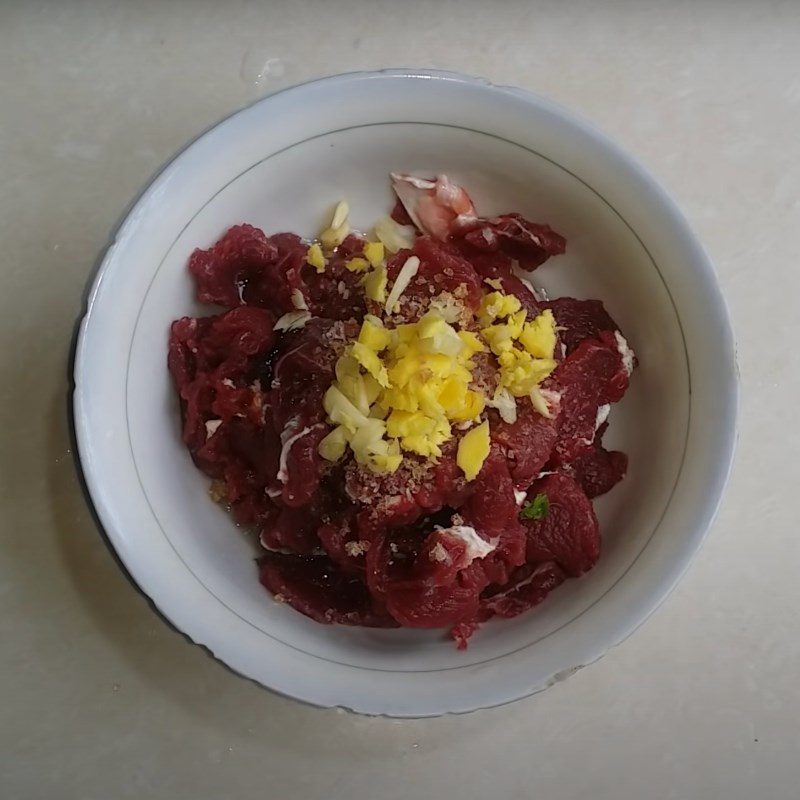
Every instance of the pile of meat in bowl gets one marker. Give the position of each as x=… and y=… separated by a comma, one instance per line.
x=411, y=429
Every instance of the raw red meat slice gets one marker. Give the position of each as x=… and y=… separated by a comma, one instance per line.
x=443, y=555
x=596, y=469
x=338, y=537
x=276, y=286
x=181, y=358
x=316, y=588
x=617, y=383
x=353, y=245
x=222, y=271
x=303, y=371
x=526, y=588
x=530, y=243
x=245, y=267
x=211, y=360
x=569, y=534
x=527, y=443
x=416, y=605
x=591, y=376
x=244, y=457
x=499, y=267
x=492, y=510
x=445, y=485
x=292, y=530
x=427, y=578
x=445, y=266
x=304, y=466
x=235, y=398
x=254, y=508
x=579, y=319
x=336, y=293
x=425, y=591
x=224, y=344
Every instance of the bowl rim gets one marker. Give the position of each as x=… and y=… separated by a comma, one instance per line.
x=100, y=499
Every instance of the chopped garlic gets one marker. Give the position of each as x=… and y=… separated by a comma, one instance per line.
x=332, y=446
x=505, y=404
x=357, y=264
x=339, y=228
x=393, y=236
x=341, y=411
x=298, y=301
x=538, y=336
x=539, y=403
x=292, y=320
x=373, y=334
x=371, y=362
x=375, y=284
x=374, y=253
x=407, y=272
x=340, y=214
x=473, y=450
x=447, y=305
x=315, y=257
x=545, y=401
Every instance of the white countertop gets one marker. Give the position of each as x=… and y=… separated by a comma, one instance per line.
x=101, y=698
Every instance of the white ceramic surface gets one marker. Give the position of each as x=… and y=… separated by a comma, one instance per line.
x=281, y=164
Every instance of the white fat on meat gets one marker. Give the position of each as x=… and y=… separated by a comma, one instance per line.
x=435, y=207
x=544, y=567
x=627, y=355
x=476, y=546
x=602, y=415
x=211, y=427
x=400, y=178
x=282, y=550
x=288, y=438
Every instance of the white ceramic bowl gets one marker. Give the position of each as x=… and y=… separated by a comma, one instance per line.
x=280, y=165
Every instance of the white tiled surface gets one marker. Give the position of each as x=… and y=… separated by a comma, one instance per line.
x=101, y=699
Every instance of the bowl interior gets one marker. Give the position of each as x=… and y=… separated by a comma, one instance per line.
x=295, y=189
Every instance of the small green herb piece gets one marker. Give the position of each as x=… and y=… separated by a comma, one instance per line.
x=538, y=508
